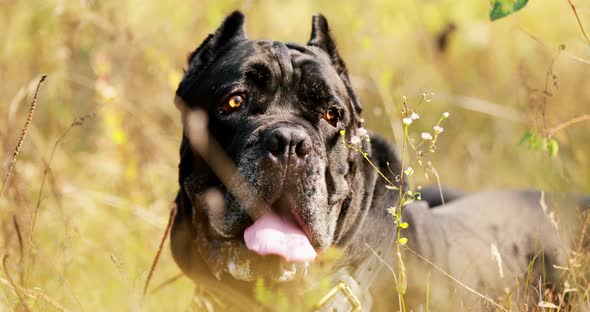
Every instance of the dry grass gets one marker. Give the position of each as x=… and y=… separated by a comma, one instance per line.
x=21, y=139
x=98, y=192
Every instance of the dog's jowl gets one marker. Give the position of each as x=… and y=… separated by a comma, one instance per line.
x=268, y=188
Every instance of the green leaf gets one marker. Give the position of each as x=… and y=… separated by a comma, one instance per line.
x=553, y=147
x=501, y=8
x=526, y=137
x=544, y=144
x=535, y=143
x=532, y=141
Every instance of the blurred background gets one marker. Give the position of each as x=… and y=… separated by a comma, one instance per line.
x=91, y=196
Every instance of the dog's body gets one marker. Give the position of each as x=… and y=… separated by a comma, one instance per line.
x=277, y=110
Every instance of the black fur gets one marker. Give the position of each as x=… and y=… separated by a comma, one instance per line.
x=288, y=87
x=296, y=161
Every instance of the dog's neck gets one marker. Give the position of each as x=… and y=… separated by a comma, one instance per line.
x=367, y=252
x=374, y=199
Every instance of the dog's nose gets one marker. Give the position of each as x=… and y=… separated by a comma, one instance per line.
x=287, y=143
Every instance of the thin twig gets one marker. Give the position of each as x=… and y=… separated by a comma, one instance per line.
x=160, y=248
x=77, y=122
x=579, y=21
x=222, y=165
x=34, y=294
x=442, y=197
x=71, y=292
x=116, y=263
x=566, y=124
x=382, y=261
x=16, y=289
x=57, y=196
x=20, y=249
x=166, y=283
x=548, y=48
x=576, y=58
x=491, y=301
x=483, y=106
x=19, y=145
x=546, y=93
x=388, y=267
x=580, y=243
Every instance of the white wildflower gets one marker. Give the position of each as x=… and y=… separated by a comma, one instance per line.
x=414, y=116
x=407, y=121
x=404, y=98
x=362, y=132
x=392, y=210
x=409, y=171
x=446, y=114
x=438, y=129
x=426, y=136
x=355, y=140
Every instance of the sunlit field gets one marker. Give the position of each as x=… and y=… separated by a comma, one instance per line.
x=88, y=198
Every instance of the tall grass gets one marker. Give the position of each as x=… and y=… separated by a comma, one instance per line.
x=100, y=191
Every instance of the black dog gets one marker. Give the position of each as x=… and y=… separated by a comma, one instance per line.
x=266, y=183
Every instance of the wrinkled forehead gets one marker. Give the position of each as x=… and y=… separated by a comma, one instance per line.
x=271, y=63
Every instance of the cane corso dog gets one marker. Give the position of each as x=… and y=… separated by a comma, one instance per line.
x=269, y=185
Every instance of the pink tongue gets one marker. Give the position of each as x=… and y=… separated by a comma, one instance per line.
x=271, y=235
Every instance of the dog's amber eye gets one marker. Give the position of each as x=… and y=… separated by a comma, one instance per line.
x=331, y=116
x=234, y=102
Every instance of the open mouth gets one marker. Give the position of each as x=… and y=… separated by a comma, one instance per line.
x=276, y=246
x=272, y=234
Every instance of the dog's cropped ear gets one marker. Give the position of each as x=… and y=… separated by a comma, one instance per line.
x=321, y=38
x=231, y=30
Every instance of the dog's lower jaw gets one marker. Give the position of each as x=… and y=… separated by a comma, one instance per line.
x=240, y=268
x=199, y=256
x=233, y=258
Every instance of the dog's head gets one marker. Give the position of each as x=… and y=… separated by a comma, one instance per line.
x=274, y=183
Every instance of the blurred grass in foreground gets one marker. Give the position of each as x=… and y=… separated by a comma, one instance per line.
x=112, y=178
